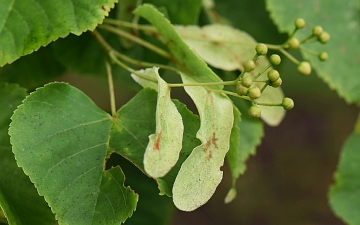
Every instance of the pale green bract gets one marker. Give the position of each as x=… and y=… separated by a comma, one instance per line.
x=164, y=146
x=200, y=173
x=151, y=73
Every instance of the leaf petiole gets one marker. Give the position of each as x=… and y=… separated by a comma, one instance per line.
x=124, y=66
x=125, y=58
x=120, y=23
x=136, y=39
x=204, y=84
x=111, y=88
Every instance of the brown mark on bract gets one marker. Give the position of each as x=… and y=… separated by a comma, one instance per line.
x=211, y=142
x=157, y=142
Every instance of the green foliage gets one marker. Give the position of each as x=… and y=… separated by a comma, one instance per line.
x=66, y=163
x=343, y=49
x=64, y=160
x=39, y=24
x=19, y=199
x=344, y=194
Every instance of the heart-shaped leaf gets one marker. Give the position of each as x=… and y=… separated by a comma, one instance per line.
x=25, y=26
x=60, y=139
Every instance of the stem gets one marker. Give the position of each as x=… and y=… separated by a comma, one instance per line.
x=310, y=38
x=142, y=64
x=102, y=41
x=204, y=84
x=111, y=88
x=263, y=88
x=136, y=26
x=273, y=47
x=230, y=93
x=240, y=76
x=293, y=33
x=137, y=63
x=258, y=75
x=292, y=58
x=136, y=39
x=123, y=65
x=268, y=104
x=309, y=51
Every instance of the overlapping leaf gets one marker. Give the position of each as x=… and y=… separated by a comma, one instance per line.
x=340, y=70
x=200, y=173
x=162, y=151
x=134, y=127
x=149, y=72
x=227, y=48
x=345, y=193
x=246, y=135
x=60, y=139
x=27, y=25
x=19, y=199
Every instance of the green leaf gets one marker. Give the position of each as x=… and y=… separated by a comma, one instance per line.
x=113, y=196
x=227, y=48
x=191, y=64
x=19, y=199
x=233, y=155
x=34, y=70
x=343, y=48
x=245, y=137
x=60, y=139
x=180, y=11
x=162, y=151
x=146, y=213
x=129, y=136
x=345, y=193
x=134, y=123
x=26, y=26
x=193, y=188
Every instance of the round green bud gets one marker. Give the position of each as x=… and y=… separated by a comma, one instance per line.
x=317, y=31
x=246, y=81
x=294, y=43
x=287, y=103
x=254, y=92
x=261, y=49
x=241, y=90
x=324, y=37
x=249, y=65
x=323, y=56
x=304, y=68
x=299, y=23
x=275, y=59
x=273, y=75
x=254, y=111
x=276, y=83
